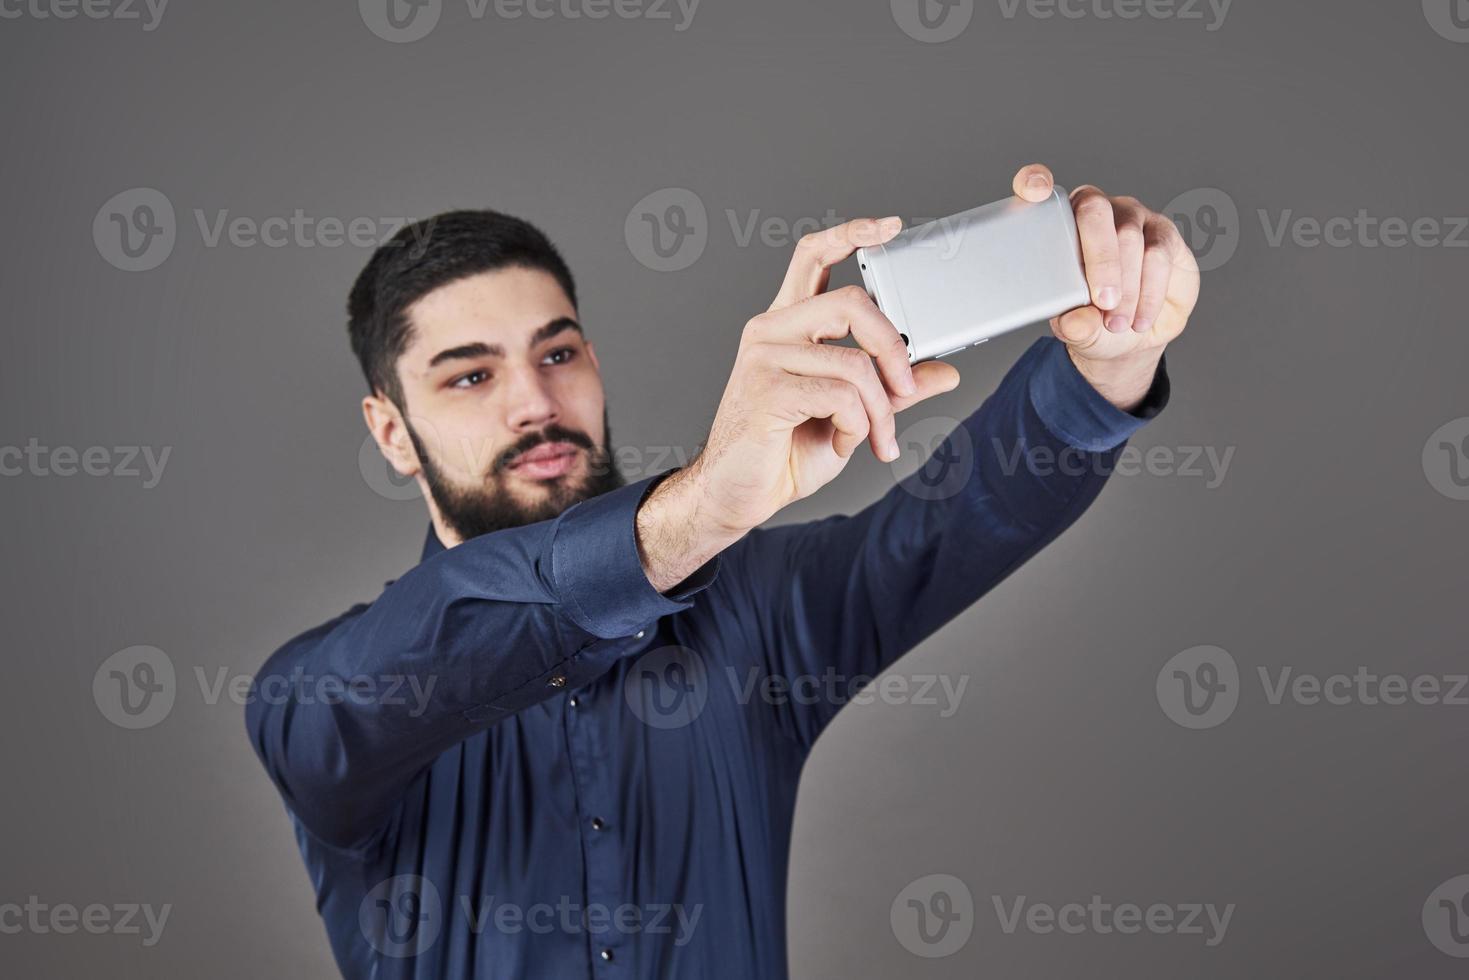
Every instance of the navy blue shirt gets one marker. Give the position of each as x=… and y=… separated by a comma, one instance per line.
x=522, y=761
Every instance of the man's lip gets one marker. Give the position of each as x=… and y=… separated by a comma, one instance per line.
x=543, y=452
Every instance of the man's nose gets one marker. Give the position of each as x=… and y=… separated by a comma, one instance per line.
x=532, y=403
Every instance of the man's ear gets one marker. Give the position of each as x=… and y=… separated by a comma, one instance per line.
x=386, y=424
x=592, y=353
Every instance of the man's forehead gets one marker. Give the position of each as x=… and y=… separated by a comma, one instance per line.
x=504, y=308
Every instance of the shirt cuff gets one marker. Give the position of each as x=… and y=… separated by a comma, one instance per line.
x=1075, y=412
x=598, y=573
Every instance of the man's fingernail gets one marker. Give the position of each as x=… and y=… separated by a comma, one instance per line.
x=889, y=225
x=892, y=450
x=1117, y=324
x=1108, y=297
x=907, y=386
x=1037, y=180
x=1142, y=325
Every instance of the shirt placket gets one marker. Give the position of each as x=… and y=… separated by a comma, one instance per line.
x=588, y=735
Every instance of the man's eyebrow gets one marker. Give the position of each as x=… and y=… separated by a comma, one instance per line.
x=477, y=349
x=553, y=328
x=466, y=351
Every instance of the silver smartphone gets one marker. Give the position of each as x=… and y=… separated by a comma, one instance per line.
x=958, y=281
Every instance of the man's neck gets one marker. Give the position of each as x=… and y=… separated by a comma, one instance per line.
x=447, y=536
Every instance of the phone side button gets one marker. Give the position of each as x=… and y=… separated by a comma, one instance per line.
x=978, y=342
x=948, y=352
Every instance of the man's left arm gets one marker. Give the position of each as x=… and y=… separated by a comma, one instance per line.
x=836, y=601
x=842, y=598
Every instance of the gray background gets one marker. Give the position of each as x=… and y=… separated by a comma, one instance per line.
x=1325, y=548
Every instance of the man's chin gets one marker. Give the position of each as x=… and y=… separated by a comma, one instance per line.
x=533, y=493
x=512, y=498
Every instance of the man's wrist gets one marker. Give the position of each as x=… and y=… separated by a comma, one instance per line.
x=676, y=535
x=1122, y=381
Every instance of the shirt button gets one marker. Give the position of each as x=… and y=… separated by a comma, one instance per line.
x=575, y=701
x=597, y=823
x=641, y=634
x=607, y=955
x=557, y=680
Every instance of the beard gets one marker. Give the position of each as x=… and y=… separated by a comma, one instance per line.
x=472, y=511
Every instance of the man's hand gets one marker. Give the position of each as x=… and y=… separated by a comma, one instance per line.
x=1144, y=283
x=794, y=410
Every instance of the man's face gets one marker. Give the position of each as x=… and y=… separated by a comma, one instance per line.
x=504, y=417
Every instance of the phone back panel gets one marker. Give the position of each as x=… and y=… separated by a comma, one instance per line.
x=958, y=281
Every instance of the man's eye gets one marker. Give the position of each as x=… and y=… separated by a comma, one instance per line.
x=561, y=355
x=471, y=379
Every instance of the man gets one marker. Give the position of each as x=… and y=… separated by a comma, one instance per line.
x=496, y=788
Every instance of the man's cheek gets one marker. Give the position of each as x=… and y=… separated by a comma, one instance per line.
x=472, y=455
x=584, y=399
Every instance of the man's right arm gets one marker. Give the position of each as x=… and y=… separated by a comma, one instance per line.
x=488, y=628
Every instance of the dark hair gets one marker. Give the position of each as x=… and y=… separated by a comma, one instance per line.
x=420, y=258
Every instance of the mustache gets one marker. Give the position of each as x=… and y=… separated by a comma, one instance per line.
x=529, y=441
